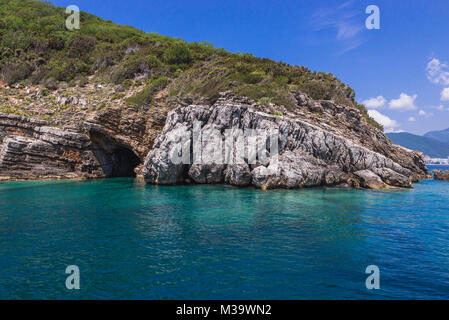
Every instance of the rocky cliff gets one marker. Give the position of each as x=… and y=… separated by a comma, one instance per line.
x=310, y=151
x=105, y=145
x=87, y=134
x=318, y=143
x=31, y=149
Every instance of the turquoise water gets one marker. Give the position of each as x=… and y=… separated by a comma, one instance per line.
x=134, y=241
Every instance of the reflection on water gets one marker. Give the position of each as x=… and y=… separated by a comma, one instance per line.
x=133, y=241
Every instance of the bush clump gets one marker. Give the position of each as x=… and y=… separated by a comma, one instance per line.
x=145, y=97
x=178, y=54
x=14, y=72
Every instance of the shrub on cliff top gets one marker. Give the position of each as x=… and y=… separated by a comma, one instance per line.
x=145, y=97
x=177, y=54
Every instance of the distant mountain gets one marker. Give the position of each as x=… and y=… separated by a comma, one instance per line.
x=442, y=135
x=430, y=147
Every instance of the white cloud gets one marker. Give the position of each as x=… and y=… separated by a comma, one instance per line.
x=437, y=72
x=393, y=131
x=425, y=114
x=344, y=20
x=445, y=94
x=374, y=103
x=440, y=107
x=388, y=124
x=405, y=102
x=411, y=119
x=346, y=30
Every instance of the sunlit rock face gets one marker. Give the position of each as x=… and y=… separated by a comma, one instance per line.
x=249, y=146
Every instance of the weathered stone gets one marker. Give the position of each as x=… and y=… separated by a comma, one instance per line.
x=441, y=175
x=369, y=179
x=30, y=149
x=161, y=166
x=393, y=178
x=238, y=175
x=206, y=173
x=292, y=171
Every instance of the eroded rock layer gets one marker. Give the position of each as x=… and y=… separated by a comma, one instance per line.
x=33, y=149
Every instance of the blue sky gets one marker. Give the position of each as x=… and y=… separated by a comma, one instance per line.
x=404, y=65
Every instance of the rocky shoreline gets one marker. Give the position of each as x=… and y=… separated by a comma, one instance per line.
x=441, y=175
x=308, y=155
x=319, y=144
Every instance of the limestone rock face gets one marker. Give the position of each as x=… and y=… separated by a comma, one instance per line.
x=307, y=154
x=32, y=149
x=29, y=149
x=170, y=172
x=238, y=175
x=441, y=175
x=370, y=180
x=208, y=173
x=392, y=177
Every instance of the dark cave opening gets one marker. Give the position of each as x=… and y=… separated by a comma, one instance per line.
x=116, y=160
x=121, y=162
x=124, y=162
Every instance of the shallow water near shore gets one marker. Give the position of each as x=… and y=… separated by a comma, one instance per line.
x=136, y=241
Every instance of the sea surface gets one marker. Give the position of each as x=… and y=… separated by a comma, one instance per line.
x=135, y=241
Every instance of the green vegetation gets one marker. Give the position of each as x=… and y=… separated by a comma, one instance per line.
x=145, y=97
x=118, y=95
x=178, y=55
x=36, y=48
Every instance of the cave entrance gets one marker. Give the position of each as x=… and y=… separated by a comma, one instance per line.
x=119, y=162
x=123, y=162
x=116, y=160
